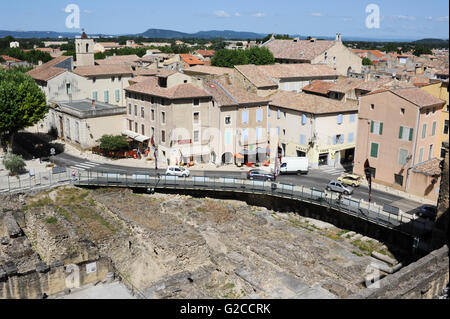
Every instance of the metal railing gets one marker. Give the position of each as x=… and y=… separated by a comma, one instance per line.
x=368, y=211
x=38, y=181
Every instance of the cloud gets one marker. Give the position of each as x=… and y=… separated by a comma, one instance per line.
x=442, y=19
x=237, y=14
x=316, y=14
x=88, y=11
x=259, y=15
x=402, y=17
x=221, y=14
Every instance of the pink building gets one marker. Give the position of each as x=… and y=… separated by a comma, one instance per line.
x=397, y=130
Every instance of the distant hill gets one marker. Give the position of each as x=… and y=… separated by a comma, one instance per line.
x=226, y=34
x=433, y=42
x=43, y=34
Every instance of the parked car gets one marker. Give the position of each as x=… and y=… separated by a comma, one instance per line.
x=352, y=180
x=258, y=174
x=428, y=212
x=177, y=171
x=339, y=187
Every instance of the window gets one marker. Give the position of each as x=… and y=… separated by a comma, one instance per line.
x=433, y=129
x=106, y=96
x=68, y=89
x=196, y=118
x=374, y=150
x=130, y=126
x=142, y=113
x=143, y=129
x=153, y=131
x=284, y=132
x=352, y=118
x=196, y=102
x=338, y=139
x=94, y=80
x=403, y=157
x=258, y=133
x=430, y=152
x=113, y=79
x=152, y=100
x=424, y=131
x=420, y=155
x=95, y=96
x=163, y=136
x=302, y=140
x=284, y=113
x=259, y=115
x=245, y=117
x=244, y=135
x=136, y=127
x=227, y=138
x=196, y=136
x=153, y=115
x=376, y=127
x=427, y=112
x=117, y=93
x=446, y=127
x=340, y=119
x=372, y=106
x=402, y=111
x=325, y=58
x=373, y=172
x=278, y=114
x=163, y=117
x=398, y=179
x=135, y=110
x=278, y=130
x=129, y=108
x=228, y=120
x=351, y=137
x=304, y=119
x=406, y=133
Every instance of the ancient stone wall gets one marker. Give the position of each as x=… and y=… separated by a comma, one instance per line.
x=423, y=279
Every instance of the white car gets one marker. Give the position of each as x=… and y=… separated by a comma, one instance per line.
x=177, y=171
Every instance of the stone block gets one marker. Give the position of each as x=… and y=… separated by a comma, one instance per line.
x=56, y=264
x=10, y=268
x=4, y=240
x=42, y=267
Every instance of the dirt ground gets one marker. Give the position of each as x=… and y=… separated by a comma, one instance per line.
x=171, y=246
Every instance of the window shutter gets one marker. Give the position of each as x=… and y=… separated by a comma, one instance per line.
x=400, y=134
x=433, y=130
x=351, y=137
x=334, y=140
x=381, y=128
x=303, y=119
x=371, y=126
x=352, y=118
x=374, y=150
x=339, y=121
x=411, y=134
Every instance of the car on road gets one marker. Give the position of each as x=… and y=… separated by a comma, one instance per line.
x=427, y=212
x=177, y=171
x=351, y=180
x=339, y=187
x=259, y=174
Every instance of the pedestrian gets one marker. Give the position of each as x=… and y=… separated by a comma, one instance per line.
x=74, y=176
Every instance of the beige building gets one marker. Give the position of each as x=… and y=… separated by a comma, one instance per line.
x=332, y=53
x=83, y=122
x=397, y=130
x=84, y=49
x=177, y=114
x=266, y=79
x=316, y=127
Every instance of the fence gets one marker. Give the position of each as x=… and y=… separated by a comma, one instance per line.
x=39, y=181
x=358, y=208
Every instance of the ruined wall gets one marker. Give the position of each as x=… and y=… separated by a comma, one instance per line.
x=423, y=279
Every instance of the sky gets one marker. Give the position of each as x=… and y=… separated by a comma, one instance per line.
x=406, y=19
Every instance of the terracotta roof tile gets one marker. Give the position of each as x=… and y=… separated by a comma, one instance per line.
x=206, y=53
x=10, y=59
x=304, y=50
x=346, y=84
x=318, y=86
x=191, y=60
x=48, y=70
x=417, y=96
x=429, y=168
x=118, y=59
x=310, y=103
x=98, y=70
x=256, y=76
x=209, y=70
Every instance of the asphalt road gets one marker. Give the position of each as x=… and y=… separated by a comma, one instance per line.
x=316, y=178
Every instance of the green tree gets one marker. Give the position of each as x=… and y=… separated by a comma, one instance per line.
x=14, y=164
x=366, y=61
x=390, y=47
x=420, y=49
x=22, y=104
x=113, y=143
x=259, y=56
x=2, y=60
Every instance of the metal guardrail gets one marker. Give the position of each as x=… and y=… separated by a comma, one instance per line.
x=29, y=182
x=367, y=211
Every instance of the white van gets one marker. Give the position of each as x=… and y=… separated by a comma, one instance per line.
x=296, y=165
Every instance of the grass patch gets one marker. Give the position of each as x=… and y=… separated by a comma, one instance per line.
x=63, y=212
x=367, y=247
x=228, y=286
x=357, y=253
x=51, y=220
x=342, y=232
x=41, y=202
x=299, y=224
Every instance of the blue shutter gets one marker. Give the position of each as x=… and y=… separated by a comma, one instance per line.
x=279, y=114
x=351, y=137
x=278, y=130
x=95, y=96
x=352, y=118
x=106, y=96
x=117, y=95
x=304, y=119
x=302, y=140
x=244, y=117
x=339, y=120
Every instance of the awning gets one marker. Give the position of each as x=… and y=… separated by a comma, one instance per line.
x=135, y=136
x=239, y=156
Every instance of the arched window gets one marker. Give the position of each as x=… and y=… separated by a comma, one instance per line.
x=87, y=47
x=326, y=57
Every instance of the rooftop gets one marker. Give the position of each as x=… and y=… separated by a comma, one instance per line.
x=305, y=50
x=49, y=70
x=191, y=60
x=417, y=96
x=429, y=168
x=87, y=109
x=208, y=70
x=98, y=70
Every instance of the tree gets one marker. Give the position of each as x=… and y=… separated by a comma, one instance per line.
x=2, y=60
x=420, y=49
x=14, y=164
x=113, y=143
x=366, y=61
x=254, y=55
x=259, y=56
x=390, y=47
x=22, y=104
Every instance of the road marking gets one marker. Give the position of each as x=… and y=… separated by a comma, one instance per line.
x=78, y=168
x=84, y=166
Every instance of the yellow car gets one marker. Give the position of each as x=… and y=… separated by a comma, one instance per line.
x=352, y=180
